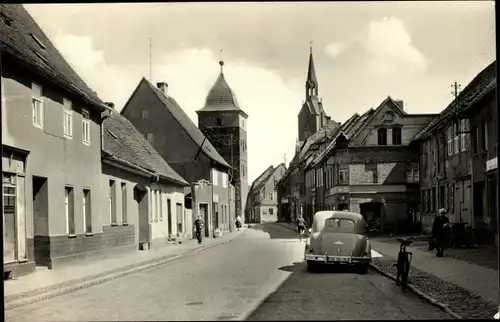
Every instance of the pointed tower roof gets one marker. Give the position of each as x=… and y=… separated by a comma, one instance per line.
x=221, y=97
x=311, y=71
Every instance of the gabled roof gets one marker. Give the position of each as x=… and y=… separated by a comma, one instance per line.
x=221, y=97
x=482, y=84
x=349, y=129
x=23, y=39
x=322, y=135
x=386, y=101
x=266, y=178
x=185, y=122
x=123, y=143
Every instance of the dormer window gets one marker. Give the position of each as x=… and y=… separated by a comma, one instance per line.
x=38, y=41
x=382, y=136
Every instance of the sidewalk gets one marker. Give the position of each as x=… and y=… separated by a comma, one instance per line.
x=44, y=280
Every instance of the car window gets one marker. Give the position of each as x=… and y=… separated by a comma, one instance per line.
x=339, y=224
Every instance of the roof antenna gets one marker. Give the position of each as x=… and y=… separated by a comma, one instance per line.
x=150, y=60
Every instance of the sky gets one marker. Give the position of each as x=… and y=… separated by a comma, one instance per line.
x=363, y=52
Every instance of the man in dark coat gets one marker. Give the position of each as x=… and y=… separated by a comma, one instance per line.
x=198, y=224
x=439, y=231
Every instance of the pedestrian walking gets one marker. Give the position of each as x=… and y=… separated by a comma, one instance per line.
x=198, y=224
x=439, y=232
x=238, y=222
x=301, y=226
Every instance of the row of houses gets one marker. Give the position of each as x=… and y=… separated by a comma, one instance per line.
x=398, y=168
x=83, y=180
x=262, y=201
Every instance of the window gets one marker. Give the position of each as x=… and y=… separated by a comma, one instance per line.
x=219, y=121
x=416, y=175
x=463, y=135
x=68, y=118
x=69, y=210
x=485, y=144
x=150, y=137
x=343, y=176
x=271, y=196
x=124, y=203
x=87, y=214
x=224, y=180
x=412, y=175
x=382, y=136
x=271, y=211
x=9, y=217
x=161, y=205
x=476, y=139
x=145, y=115
x=112, y=202
x=396, y=136
x=456, y=139
x=450, y=140
x=85, y=127
x=37, y=105
x=215, y=177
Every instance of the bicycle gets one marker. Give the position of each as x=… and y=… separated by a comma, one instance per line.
x=403, y=264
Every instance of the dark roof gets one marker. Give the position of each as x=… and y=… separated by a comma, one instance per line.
x=188, y=125
x=25, y=41
x=483, y=83
x=221, y=97
x=124, y=143
x=311, y=71
x=264, y=180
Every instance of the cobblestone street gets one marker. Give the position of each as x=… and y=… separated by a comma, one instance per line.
x=228, y=282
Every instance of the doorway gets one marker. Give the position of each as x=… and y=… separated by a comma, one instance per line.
x=180, y=219
x=372, y=212
x=140, y=197
x=41, y=221
x=215, y=216
x=204, y=214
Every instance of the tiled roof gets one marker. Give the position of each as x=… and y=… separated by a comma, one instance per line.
x=22, y=38
x=264, y=180
x=188, y=125
x=322, y=135
x=221, y=97
x=125, y=143
x=482, y=83
x=350, y=128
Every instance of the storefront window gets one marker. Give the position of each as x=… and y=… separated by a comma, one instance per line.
x=9, y=217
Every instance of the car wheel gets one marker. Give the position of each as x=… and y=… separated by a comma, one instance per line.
x=363, y=269
x=311, y=266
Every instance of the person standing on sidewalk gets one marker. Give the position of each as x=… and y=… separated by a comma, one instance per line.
x=198, y=224
x=238, y=222
x=439, y=231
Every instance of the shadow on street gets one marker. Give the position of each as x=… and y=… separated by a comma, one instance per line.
x=275, y=231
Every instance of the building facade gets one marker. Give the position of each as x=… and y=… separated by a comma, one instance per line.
x=51, y=150
x=455, y=151
x=263, y=197
x=224, y=123
x=366, y=168
x=145, y=199
x=183, y=146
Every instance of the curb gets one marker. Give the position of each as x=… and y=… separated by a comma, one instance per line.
x=421, y=294
x=101, y=278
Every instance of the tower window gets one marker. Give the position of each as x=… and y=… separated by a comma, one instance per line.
x=219, y=121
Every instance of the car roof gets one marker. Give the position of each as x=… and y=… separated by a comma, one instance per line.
x=322, y=215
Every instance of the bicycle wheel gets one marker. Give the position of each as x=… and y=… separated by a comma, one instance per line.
x=399, y=268
x=404, y=273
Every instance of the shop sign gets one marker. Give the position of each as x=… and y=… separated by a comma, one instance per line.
x=491, y=164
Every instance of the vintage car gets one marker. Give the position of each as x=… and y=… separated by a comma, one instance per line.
x=338, y=237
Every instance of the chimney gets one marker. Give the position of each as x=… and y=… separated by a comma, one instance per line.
x=400, y=104
x=163, y=87
x=110, y=105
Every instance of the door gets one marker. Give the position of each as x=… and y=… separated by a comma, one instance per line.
x=466, y=211
x=215, y=216
x=180, y=219
x=40, y=220
x=141, y=198
x=169, y=216
x=204, y=215
x=9, y=218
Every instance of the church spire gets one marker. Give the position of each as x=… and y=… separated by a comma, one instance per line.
x=312, y=81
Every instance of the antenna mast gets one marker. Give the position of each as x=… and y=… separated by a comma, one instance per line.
x=150, y=60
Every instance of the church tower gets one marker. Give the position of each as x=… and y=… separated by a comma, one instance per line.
x=224, y=124
x=312, y=116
